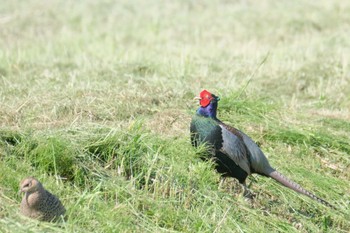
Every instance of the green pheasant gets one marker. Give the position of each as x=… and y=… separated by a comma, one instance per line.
x=236, y=155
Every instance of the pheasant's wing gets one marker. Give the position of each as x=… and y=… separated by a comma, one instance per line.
x=257, y=161
x=234, y=147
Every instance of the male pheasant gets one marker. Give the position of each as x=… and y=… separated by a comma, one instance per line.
x=236, y=155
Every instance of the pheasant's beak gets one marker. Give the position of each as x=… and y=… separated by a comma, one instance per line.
x=197, y=98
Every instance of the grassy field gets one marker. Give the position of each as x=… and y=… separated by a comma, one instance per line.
x=96, y=98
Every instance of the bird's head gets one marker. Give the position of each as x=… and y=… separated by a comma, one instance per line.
x=29, y=185
x=208, y=104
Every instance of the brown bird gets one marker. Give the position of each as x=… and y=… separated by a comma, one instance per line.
x=38, y=203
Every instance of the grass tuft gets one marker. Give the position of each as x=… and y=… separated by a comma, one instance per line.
x=48, y=154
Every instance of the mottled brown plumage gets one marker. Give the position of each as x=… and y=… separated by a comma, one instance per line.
x=38, y=203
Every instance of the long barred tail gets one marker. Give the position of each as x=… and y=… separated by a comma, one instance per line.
x=296, y=187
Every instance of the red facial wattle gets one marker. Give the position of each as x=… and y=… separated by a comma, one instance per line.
x=205, y=98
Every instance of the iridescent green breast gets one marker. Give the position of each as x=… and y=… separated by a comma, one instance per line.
x=205, y=130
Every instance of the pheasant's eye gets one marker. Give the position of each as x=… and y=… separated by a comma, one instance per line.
x=28, y=184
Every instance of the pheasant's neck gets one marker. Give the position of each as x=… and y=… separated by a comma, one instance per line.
x=209, y=111
x=34, y=198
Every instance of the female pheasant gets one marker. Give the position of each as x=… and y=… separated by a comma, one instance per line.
x=236, y=155
x=38, y=203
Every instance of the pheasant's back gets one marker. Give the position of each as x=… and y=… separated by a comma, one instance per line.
x=51, y=207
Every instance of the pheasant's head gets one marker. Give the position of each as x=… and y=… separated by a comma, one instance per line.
x=208, y=104
x=205, y=98
x=29, y=185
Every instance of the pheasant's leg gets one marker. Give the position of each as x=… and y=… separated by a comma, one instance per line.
x=247, y=193
x=222, y=182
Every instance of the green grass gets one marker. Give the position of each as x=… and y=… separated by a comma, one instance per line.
x=96, y=99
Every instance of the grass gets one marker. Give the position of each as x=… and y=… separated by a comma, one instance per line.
x=96, y=100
